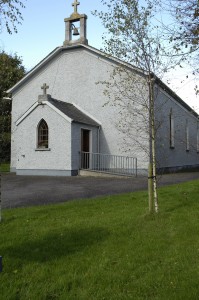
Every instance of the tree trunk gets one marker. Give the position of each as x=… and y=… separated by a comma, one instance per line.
x=155, y=195
x=150, y=187
x=153, y=150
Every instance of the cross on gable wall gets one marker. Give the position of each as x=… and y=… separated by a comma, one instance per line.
x=44, y=88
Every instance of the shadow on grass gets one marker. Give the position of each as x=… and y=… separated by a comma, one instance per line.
x=56, y=245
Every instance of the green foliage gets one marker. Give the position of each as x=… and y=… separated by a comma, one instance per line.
x=166, y=30
x=11, y=71
x=106, y=248
x=186, y=14
x=182, y=31
x=5, y=167
x=5, y=121
x=132, y=34
x=10, y=14
x=5, y=147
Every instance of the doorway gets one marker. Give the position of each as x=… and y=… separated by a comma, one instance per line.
x=85, y=148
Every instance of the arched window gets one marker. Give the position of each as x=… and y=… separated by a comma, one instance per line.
x=42, y=134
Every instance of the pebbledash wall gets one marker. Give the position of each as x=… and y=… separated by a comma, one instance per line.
x=56, y=160
x=72, y=75
x=183, y=152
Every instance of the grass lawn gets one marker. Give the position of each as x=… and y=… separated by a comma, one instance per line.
x=108, y=248
x=5, y=167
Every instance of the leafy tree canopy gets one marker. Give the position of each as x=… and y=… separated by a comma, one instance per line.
x=154, y=35
x=183, y=31
x=133, y=35
x=11, y=71
x=186, y=16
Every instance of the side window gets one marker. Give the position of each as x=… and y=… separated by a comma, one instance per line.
x=171, y=133
x=198, y=136
x=187, y=136
x=42, y=135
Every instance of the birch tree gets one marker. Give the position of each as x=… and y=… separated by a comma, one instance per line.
x=10, y=14
x=182, y=32
x=133, y=36
x=185, y=20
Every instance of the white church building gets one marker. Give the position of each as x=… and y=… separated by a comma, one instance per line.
x=60, y=123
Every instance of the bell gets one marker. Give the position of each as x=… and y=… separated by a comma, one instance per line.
x=75, y=31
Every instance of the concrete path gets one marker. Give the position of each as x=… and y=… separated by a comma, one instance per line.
x=18, y=191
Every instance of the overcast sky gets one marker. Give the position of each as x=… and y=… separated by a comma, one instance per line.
x=43, y=30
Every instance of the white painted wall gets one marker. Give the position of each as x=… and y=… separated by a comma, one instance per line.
x=59, y=155
x=73, y=76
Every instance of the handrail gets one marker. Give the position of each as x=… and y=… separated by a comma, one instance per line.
x=108, y=163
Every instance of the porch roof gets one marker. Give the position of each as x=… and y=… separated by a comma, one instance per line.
x=71, y=111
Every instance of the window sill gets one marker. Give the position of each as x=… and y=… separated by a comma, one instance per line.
x=42, y=149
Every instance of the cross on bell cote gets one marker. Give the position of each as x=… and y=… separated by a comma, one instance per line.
x=71, y=24
x=75, y=4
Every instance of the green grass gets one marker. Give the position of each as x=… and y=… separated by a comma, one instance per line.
x=5, y=167
x=108, y=248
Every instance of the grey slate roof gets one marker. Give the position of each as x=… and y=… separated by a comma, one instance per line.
x=73, y=112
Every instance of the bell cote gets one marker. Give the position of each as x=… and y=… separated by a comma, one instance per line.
x=76, y=29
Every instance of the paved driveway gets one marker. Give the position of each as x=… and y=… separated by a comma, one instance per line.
x=39, y=190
